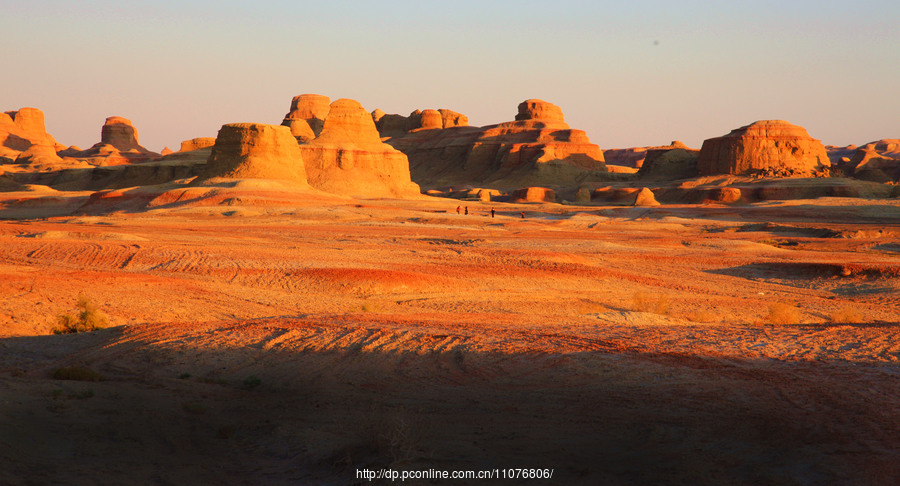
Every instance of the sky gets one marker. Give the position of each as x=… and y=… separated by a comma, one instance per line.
x=630, y=74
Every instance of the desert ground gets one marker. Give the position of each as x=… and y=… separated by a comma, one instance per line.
x=268, y=344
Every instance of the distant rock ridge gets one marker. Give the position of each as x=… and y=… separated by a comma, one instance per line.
x=635, y=156
x=536, y=149
x=766, y=147
x=877, y=161
x=390, y=125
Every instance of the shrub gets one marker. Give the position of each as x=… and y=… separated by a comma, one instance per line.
x=783, y=313
x=658, y=304
x=89, y=318
x=847, y=315
x=193, y=407
x=251, y=382
x=76, y=373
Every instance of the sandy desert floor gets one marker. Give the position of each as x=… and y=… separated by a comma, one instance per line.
x=267, y=345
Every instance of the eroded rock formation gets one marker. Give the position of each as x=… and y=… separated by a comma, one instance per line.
x=877, y=161
x=307, y=116
x=24, y=138
x=197, y=144
x=118, y=144
x=391, y=125
x=538, y=148
x=533, y=194
x=255, y=151
x=768, y=147
x=347, y=157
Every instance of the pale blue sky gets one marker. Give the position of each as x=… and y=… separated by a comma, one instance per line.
x=629, y=73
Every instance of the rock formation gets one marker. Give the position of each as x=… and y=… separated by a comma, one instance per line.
x=645, y=197
x=255, y=151
x=669, y=163
x=118, y=143
x=768, y=147
x=347, y=157
x=533, y=194
x=538, y=148
x=635, y=156
x=390, y=125
x=876, y=161
x=197, y=144
x=307, y=116
x=24, y=138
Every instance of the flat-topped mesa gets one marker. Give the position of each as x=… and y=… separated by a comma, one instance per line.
x=255, y=151
x=767, y=147
x=348, y=157
x=307, y=116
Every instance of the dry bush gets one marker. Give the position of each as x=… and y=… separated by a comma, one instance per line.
x=89, y=318
x=657, y=304
x=846, y=315
x=783, y=313
x=392, y=434
x=76, y=373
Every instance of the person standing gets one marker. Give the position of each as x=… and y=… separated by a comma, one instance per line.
x=467, y=210
x=457, y=209
x=492, y=213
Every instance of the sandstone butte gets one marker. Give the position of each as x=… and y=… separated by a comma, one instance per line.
x=24, y=138
x=307, y=116
x=768, y=147
x=255, y=151
x=118, y=142
x=347, y=157
x=537, y=148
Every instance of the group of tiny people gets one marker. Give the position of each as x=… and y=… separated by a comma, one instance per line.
x=493, y=213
